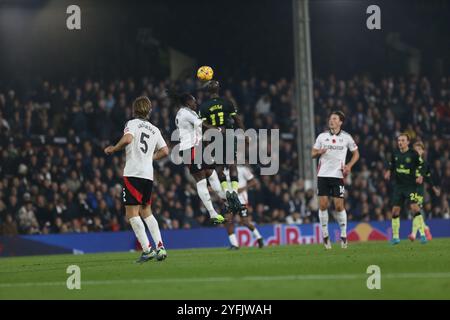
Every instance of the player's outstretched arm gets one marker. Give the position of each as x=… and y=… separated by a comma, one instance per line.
x=123, y=142
x=161, y=153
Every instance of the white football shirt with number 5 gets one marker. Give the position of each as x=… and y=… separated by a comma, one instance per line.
x=139, y=153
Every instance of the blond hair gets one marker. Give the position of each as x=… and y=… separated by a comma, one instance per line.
x=404, y=134
x=419, y=144
x=142, y=107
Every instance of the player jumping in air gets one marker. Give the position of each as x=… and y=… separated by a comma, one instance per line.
x=190, y=128
x=406, y=165
x=432, y=181
x=221, y=113
x=331, y=149
x=143, y=143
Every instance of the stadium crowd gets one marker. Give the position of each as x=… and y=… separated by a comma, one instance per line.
x=54, y=177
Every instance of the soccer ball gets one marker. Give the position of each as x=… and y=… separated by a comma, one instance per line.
x=205, y=73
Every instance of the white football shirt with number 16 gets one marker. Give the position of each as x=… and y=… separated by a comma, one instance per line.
x=332, y=162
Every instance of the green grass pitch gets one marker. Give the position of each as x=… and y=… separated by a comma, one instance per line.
x=408, y=271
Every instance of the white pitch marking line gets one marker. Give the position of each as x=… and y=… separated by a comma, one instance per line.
x=437, y=275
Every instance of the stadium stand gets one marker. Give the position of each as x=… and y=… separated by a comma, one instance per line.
x=54, y=177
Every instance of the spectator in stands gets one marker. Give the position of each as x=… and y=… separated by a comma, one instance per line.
x=8, y=227
x=54, y=177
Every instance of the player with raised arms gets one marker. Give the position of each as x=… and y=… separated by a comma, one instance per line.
x=190, y=130
x=222, y=113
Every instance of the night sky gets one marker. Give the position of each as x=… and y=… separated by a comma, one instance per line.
x=237, y=38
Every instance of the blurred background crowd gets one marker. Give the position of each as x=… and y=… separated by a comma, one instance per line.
x=55, y=178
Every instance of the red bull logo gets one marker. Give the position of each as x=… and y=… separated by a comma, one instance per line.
x=296, y=234
x=282, y=235
x=365, y=232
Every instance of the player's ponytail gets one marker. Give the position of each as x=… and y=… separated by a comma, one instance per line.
x=178, y=99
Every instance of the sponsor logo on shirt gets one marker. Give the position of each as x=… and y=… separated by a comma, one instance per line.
x=331, y=147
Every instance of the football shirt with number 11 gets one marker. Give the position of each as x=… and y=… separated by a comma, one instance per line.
x=218, y=112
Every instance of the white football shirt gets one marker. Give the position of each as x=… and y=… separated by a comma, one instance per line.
x=332, y=162
x=190, y=127
x=244, y=176
x=139, y=153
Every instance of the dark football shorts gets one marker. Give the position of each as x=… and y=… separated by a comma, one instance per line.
x=244, y=213
x=406, y=194
x=137, y=191
x=193, y=167
x=330, y=187
x=224, y=149
x=233, y=152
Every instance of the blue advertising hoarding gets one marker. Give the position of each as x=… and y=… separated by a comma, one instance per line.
x=278, y=234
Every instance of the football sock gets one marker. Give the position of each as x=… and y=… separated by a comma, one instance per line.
x=396, y=227
x=203, y=193
x=233, y=240
x=215, y=185
x=342, y=220
x=421, y=225
x=323, y=218
x=256, y=234
x=224, y=185
x=235, y=185
x=424, y=216
x=153, y=227
x=415, y=225
x=139, y=231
